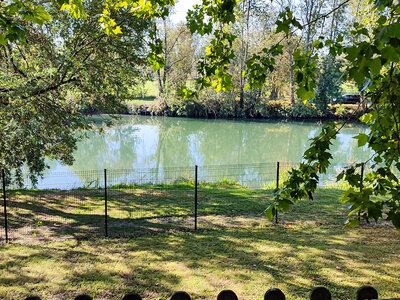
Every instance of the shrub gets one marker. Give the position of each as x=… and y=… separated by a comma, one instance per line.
x=274, y=109
x=341, y=111
x=308, y=110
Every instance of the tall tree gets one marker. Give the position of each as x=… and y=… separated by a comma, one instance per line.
x=244, y=36
x=53, y=73
x=372, y=59
x=178, y=53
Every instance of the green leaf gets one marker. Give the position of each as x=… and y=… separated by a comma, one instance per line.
x=270, y=212
x=395, y=218
x=352, y=53
x=390, y=54
x=362, y=139
x=350, y=223
x=382, y=20
x=393, y=30
x=317, y=44
x=375, y=212
x=284, y=204
x=304, y=95
x=3, y=39
x=375, y=66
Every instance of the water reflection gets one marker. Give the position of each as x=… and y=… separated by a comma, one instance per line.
x=158, y=143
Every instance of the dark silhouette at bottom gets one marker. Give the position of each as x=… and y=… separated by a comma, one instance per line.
x=318, y=293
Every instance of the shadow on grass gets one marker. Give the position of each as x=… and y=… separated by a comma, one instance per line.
x=248, y=260
x=45, y=215
x=88, y=280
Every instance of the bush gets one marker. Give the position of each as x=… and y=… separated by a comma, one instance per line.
x=301, y=110
x=341, y=111
x=274, y=109
x=212, y=105
x=217, y=105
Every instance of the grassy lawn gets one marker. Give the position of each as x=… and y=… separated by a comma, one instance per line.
x=141, y=100
x=148, y=91
x=235, y=247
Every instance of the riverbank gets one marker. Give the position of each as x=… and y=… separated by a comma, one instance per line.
x=242, y=251
x=261, y=110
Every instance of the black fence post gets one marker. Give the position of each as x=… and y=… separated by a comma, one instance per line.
x=277, y=187
x=361, y=187
x=3, y=177
x=105, y=203
x=195, y=197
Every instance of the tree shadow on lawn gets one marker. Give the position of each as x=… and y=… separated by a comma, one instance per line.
x=325, y=209
x=20, y=277
x=81, y=213
x=250, y=261
x=296, y=259
x=44, y=215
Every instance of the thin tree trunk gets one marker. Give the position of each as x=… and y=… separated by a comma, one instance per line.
x=292, y=84
x=165, y=54
x=160, y=86
x=158, y=72
x=245, y=45
x=274, y=93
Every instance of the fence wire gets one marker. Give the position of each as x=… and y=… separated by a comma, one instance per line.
x=127, y=202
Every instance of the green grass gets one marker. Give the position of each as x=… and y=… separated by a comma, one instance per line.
x=148, y=92
x=235, y=247
x=140, y=101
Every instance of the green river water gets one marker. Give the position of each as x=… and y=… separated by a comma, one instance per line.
x=140, y=142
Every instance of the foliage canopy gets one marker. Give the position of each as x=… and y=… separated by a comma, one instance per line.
x=370, y=58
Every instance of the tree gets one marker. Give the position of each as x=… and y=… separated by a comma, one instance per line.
x=371, y=57
x=372, y=60
x=328, y=82
x=55, y=71
x=179, y=55
x=244, y=37
x=329, y=78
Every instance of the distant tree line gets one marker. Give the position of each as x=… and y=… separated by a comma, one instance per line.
x=255, y=29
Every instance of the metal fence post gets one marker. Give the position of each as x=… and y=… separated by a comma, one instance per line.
x=362, y=176
x=361, y=187
x=3, y=177
x=105, y=203
x=277, y=187
x=195, y=197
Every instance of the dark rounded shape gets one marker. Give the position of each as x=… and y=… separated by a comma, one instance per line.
x=274, y=294
x=83, y=297
x=180, y=296
x=32, y=298
x=320, y=293
x=227, y=295
x=132, y=297
x=367, y=292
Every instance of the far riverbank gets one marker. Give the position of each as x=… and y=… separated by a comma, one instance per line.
x=263, y=110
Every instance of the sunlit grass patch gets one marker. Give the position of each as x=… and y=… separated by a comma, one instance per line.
x=234, y=248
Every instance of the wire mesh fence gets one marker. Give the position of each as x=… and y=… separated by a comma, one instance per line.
x=127, y=202
x=150, y=200
x=57, y=211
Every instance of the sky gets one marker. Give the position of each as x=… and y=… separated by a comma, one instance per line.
x=181, y=9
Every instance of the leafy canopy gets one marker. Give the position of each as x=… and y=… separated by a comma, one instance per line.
x=55, y=72
x=371, y=59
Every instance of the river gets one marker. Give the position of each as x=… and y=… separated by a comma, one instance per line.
x=140, y=142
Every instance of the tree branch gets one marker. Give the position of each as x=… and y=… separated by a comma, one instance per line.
x=51, y=88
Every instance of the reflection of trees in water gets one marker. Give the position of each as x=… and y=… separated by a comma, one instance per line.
x=146, y=142
x=111, y=149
